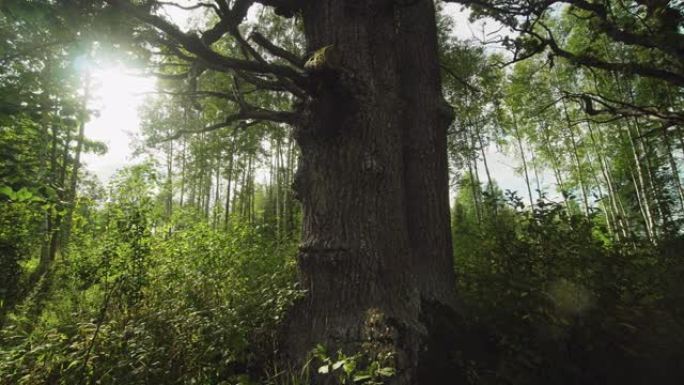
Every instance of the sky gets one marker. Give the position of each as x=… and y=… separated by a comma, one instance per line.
x=118, y=93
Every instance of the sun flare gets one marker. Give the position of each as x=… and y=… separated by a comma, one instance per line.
x=116, y=95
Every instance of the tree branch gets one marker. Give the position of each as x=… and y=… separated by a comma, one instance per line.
x=277, y=51
x=190, y=7
x=622, y=109
x=197, y=46
x=256, y=115
x=666, y=38
x=212, y=94
x=460, y=80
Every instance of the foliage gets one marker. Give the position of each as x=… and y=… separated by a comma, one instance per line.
x=563, y=306
x=16, y=221
x=178, y=303
x=358, y=368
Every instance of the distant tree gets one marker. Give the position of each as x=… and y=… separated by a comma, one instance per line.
x=43, y=112
x=633, y=39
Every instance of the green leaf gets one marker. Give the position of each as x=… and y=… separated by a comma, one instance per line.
x=8, y=192
x=349, y=366
x=338, y=364
x=386, y=372
x=23, y=195
x=73, y=363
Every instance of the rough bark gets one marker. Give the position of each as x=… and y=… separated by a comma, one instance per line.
x=375, y=256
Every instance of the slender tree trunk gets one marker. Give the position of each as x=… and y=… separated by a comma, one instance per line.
x=243, y=190
x=575, y=156
x=45, y=172
x=473, y=178
x=183, y=165
x=208, y=178
x=618, y=201
x=674, y=169
x=555, y=166
x=229, y=180
x=660, y=205
x=217, y=194
x=53, y=220
x=65, y=161
x=252, y=192
x=249, y=191
x=644, y=210
x=288, y=210
x=278, y=188
x=169, y=179
x=619, y=219
x=611, y=223
x=73, y=183
x=524, y=159
x=476, y=171
x=193, y=190
x=640, y=187
x=490, y=184
x=200, y=178
x=375, y=254
x=537, y=182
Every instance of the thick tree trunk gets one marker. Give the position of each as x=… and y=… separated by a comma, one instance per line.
x=375, y=256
